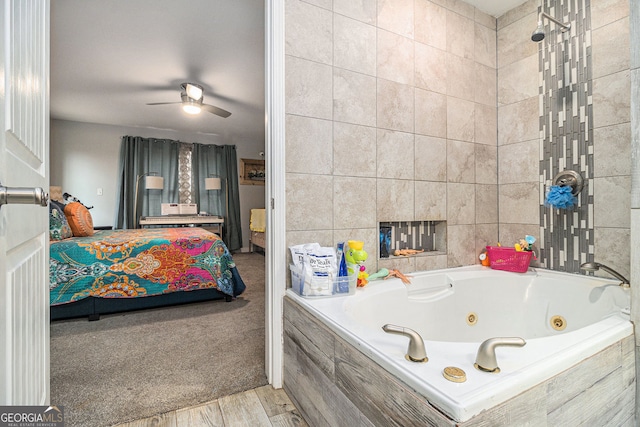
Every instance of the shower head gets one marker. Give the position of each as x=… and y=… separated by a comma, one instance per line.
x=590, y=266
x=595, y=266
x=538, y=33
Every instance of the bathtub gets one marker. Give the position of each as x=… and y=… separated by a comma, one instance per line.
x=564, y=318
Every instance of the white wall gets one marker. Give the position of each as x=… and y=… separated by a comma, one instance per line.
x=84, y=157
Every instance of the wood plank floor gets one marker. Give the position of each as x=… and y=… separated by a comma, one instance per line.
x=263, y=406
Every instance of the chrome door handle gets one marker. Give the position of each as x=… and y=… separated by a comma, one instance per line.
x=23, y=195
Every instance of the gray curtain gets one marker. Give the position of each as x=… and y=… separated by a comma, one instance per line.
x=139, y=156
x=219, y=161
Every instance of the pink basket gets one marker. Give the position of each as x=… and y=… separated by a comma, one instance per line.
x=508, y=259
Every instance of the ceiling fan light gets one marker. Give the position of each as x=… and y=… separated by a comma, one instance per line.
x=191, y=109
x=193, y=91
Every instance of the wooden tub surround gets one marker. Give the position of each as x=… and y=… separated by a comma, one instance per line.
x=332, y=383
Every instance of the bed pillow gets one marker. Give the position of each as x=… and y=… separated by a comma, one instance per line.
x=59, y=228
x=79, y=219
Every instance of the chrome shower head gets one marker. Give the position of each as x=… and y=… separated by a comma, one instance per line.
x=595, y=266
x=538, y=33
x=590, y=266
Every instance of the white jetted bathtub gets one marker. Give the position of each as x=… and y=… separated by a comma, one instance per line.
x=564, y=319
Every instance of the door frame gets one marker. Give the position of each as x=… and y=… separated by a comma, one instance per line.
x=275, y=201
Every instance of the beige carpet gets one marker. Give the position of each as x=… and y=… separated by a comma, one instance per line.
x=134, y=365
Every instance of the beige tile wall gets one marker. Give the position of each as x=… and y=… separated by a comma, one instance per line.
x=635, y=171
x=520, y=192
x=518, y=125
x=612, y=131
x=391, y=116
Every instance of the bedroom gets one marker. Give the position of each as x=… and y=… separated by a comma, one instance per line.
x=127, y=64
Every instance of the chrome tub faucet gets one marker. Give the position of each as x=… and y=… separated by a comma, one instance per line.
x=486, y=358
x=416, y=351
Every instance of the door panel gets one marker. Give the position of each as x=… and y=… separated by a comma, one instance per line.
x=24, y=236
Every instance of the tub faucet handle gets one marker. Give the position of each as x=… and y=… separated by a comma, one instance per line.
x=416, y=351
x=486, y=357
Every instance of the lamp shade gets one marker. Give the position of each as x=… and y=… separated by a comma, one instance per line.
x=191, y=108
x=153, y=182
x=212, y=183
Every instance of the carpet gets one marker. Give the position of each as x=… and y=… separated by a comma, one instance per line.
x=134, y=365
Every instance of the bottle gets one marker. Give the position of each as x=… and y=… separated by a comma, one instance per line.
x=343, y=274
x=385, y=239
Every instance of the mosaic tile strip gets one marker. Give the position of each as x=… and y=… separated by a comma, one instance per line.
x=566, y=129
x=184, y=173
x=412, y=235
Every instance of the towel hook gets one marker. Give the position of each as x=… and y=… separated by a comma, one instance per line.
x=571, y=179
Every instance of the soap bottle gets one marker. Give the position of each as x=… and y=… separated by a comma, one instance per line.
x=343, y=274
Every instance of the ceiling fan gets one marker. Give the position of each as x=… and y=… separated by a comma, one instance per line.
x=192, y=95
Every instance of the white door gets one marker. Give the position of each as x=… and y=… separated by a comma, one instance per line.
x=24, y=235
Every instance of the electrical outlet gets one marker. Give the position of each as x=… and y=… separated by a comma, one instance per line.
x=99, y=192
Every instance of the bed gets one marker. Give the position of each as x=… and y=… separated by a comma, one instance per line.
x=257, y=226
x=119, y=270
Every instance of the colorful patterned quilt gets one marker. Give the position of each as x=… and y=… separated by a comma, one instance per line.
x=136, y=263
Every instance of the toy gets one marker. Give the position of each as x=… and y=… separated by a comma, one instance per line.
x=396, y=273
x=525, y=244
x=356, y=255
x=381, y=274
x=484, y=258
x=362, y=277
x=406, y=252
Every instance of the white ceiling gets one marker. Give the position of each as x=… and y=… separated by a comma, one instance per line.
x=495, y=7
x=109, y=58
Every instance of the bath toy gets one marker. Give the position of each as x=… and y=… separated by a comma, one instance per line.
x=396, y=273
x=362, y=277
x=407, y=252
x=525, y=244
x=484, y=258
x=381, y=274
x=356, y=254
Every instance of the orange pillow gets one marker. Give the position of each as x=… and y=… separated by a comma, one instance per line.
x=79, y=219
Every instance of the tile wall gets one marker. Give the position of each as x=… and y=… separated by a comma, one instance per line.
x=610, y=31
x=518, y=124
x=420, y=235
x=634, y=25
x=566, y=123
x=391, y=116
x=520, y=136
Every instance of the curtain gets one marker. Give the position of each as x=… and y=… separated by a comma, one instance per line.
x=219, y=161
x=140, y=156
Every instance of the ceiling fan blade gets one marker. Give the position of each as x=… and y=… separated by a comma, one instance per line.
x=163, y=103
x=215, y=110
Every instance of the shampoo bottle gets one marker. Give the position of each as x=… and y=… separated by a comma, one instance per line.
x=343, y=274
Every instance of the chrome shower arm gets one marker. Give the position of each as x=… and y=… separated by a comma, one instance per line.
x=565, y=27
